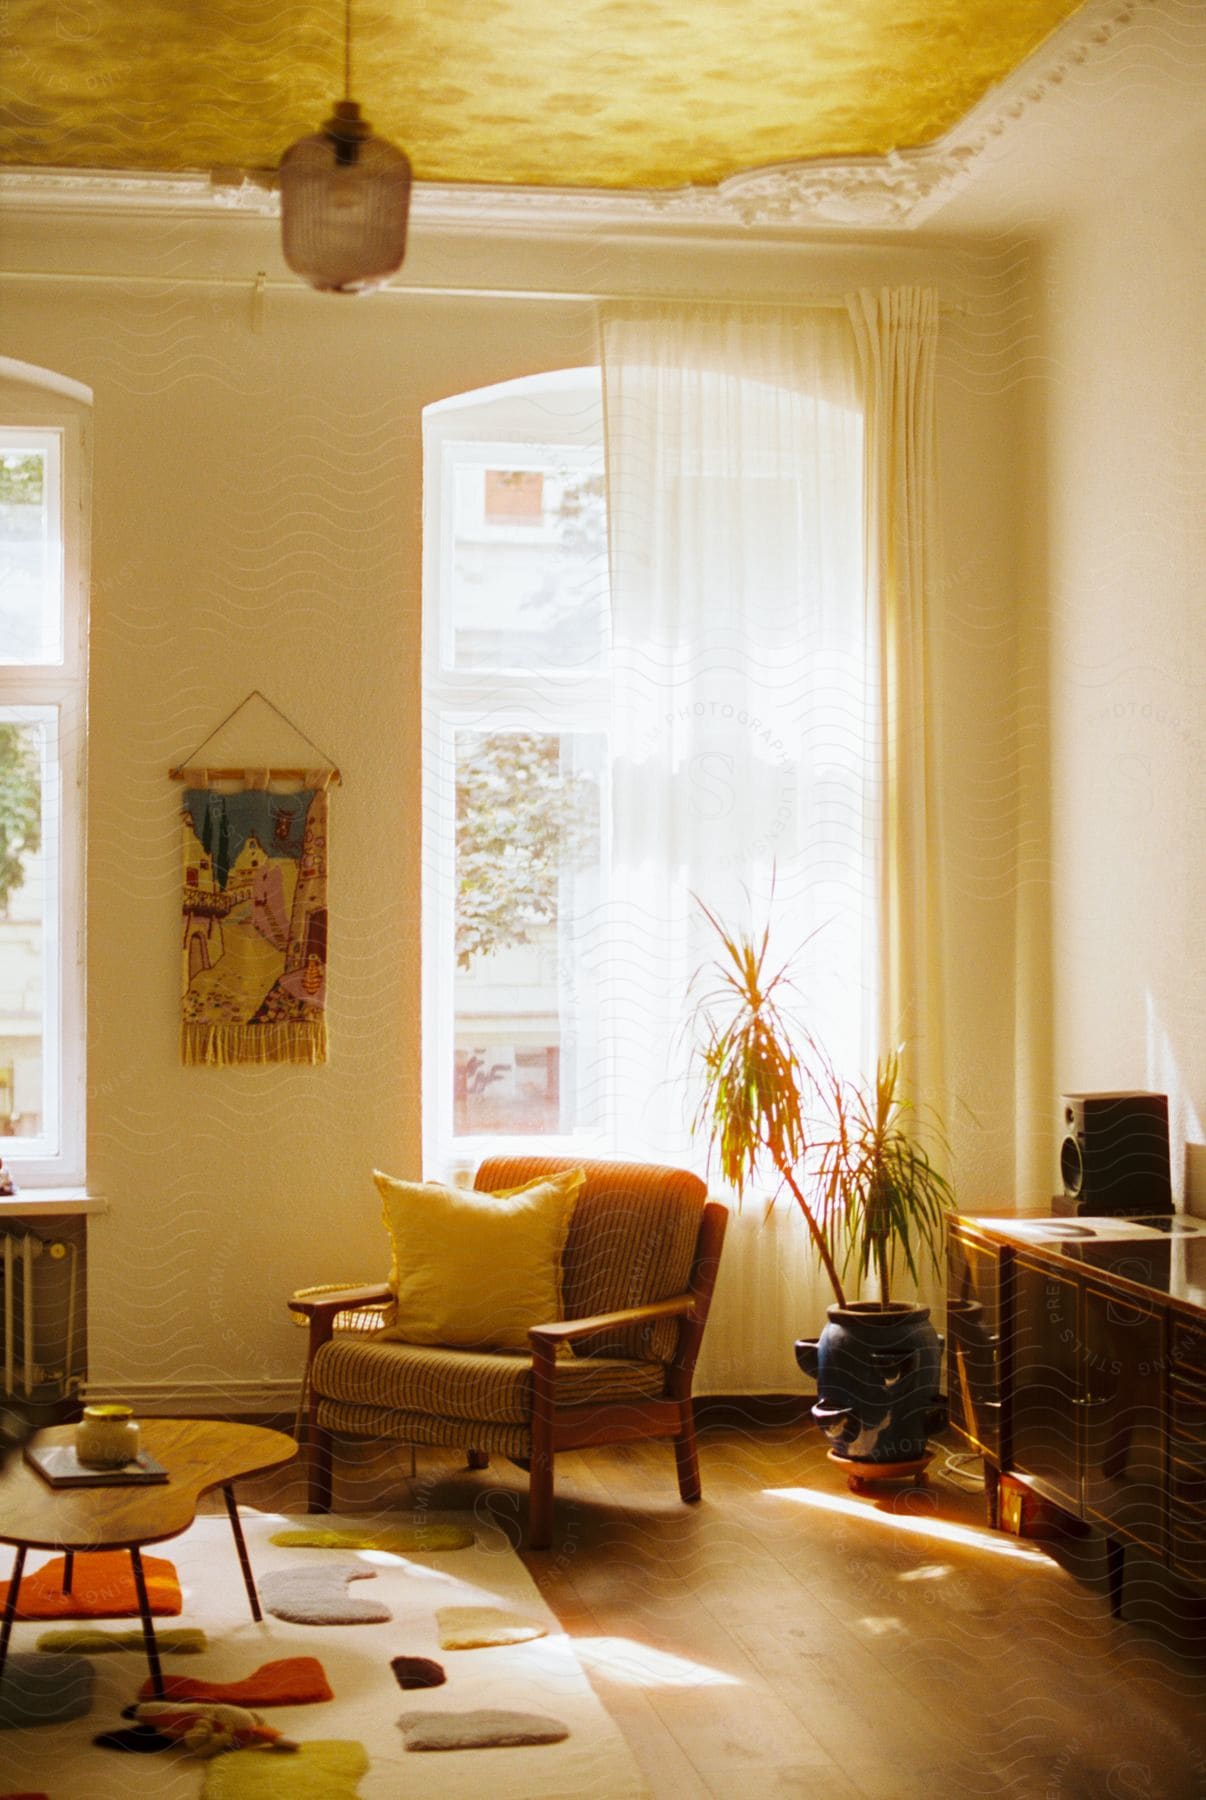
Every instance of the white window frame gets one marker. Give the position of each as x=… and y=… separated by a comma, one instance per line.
x=57, y=1157
x=492, y=699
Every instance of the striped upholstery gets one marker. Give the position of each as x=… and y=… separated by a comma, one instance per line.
x=631, y=1241
x=491, y=1386
x=422, y=1428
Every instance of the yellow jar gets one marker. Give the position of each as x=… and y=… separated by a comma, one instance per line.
x=106, y=1437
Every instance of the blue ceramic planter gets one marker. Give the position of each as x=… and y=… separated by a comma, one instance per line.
x=877, y=1380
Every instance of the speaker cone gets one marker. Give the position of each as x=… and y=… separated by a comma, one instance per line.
x=1071, y=1166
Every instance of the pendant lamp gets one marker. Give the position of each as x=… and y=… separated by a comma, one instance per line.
x=345, y=195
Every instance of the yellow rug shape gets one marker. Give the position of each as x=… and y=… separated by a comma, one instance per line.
x=84, y=1640
x=484, y=1627
x=327, y=1769
x=397, y=1540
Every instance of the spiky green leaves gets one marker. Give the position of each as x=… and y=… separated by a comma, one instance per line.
x=849, y=1153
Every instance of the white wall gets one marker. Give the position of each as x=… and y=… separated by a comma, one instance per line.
x=256, y=525
x=1120, y=416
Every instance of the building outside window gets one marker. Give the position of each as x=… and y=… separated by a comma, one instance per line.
x=515, y=763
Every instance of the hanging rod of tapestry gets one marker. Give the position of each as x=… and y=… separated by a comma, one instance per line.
x=186, y=768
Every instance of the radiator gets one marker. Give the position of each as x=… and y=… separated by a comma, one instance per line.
x=38, y=1302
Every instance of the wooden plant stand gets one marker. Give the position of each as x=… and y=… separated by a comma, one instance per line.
x=861, y=1475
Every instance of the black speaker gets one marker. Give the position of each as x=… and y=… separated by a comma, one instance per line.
x=1114, y=1156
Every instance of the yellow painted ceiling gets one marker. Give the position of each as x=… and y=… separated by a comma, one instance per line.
x=580, y=93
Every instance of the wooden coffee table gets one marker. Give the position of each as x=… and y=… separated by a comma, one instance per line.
x=198, y=1454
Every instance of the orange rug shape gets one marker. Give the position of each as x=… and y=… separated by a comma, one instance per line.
x=293, y=1681
x=102, y=1587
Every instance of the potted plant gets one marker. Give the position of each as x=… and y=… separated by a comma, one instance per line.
x=851, y=1157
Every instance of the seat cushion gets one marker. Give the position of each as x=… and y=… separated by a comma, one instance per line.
x=475, y=1385
x=347, y=1420
x=631, y=1241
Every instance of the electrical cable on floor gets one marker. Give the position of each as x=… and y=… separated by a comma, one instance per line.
x=956, y=1468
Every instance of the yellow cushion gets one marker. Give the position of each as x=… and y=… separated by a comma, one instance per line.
x=475, y=1270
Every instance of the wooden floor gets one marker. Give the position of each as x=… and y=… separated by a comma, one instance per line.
x=787, y=1637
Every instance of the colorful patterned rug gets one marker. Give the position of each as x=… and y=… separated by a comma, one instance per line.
x=542, y=1676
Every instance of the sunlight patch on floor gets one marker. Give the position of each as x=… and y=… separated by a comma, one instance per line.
x=638, y=1665
x=884, y=1628
x=941, y=1529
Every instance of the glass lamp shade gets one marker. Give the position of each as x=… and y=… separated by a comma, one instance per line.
x=345, y=196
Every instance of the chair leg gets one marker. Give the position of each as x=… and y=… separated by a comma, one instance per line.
x=540, y=1474
x=686, y=1455
x=478, y=1459
x=320, y=1468
x=540, y=1499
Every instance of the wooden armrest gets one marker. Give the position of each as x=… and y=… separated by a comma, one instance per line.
x=564, y=1331
x=341, y=1300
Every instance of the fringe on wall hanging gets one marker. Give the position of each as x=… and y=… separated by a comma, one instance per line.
x=254, y=914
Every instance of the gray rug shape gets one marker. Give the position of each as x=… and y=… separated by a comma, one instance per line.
x=484, y=1728
x=43, y=1688
x=316, y=1594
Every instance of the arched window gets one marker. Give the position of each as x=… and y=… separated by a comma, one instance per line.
x=635, y=702
x=44, y=459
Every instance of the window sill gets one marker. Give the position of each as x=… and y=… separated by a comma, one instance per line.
x=50, y=1203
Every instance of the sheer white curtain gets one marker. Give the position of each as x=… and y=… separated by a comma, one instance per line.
x=896, y=331
x=745, y=719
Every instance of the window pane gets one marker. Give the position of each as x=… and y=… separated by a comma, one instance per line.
x=31, y=548
x=528, y=808
x=527, y=574
x=27, y=908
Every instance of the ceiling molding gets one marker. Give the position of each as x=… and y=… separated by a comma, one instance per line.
x=898, y=191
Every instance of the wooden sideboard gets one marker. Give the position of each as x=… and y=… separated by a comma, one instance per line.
x=1078, y=1362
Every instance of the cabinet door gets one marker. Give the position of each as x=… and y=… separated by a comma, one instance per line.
x=1043, y=1381
x=973, y=1328
x=1121, y=1407
x=1187, y=1453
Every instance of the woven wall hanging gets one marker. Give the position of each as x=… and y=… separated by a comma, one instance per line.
x=254, y=914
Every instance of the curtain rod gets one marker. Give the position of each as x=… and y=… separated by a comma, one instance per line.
x=261, y=283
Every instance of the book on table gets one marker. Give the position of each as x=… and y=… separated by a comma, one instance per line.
x=61, y=1467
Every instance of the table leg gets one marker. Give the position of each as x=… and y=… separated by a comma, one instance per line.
x=68, y=1570
x=148, y=1627
x=10, y=1608
x=241, y=1547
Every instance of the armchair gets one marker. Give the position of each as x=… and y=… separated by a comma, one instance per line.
x=639, y=1268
